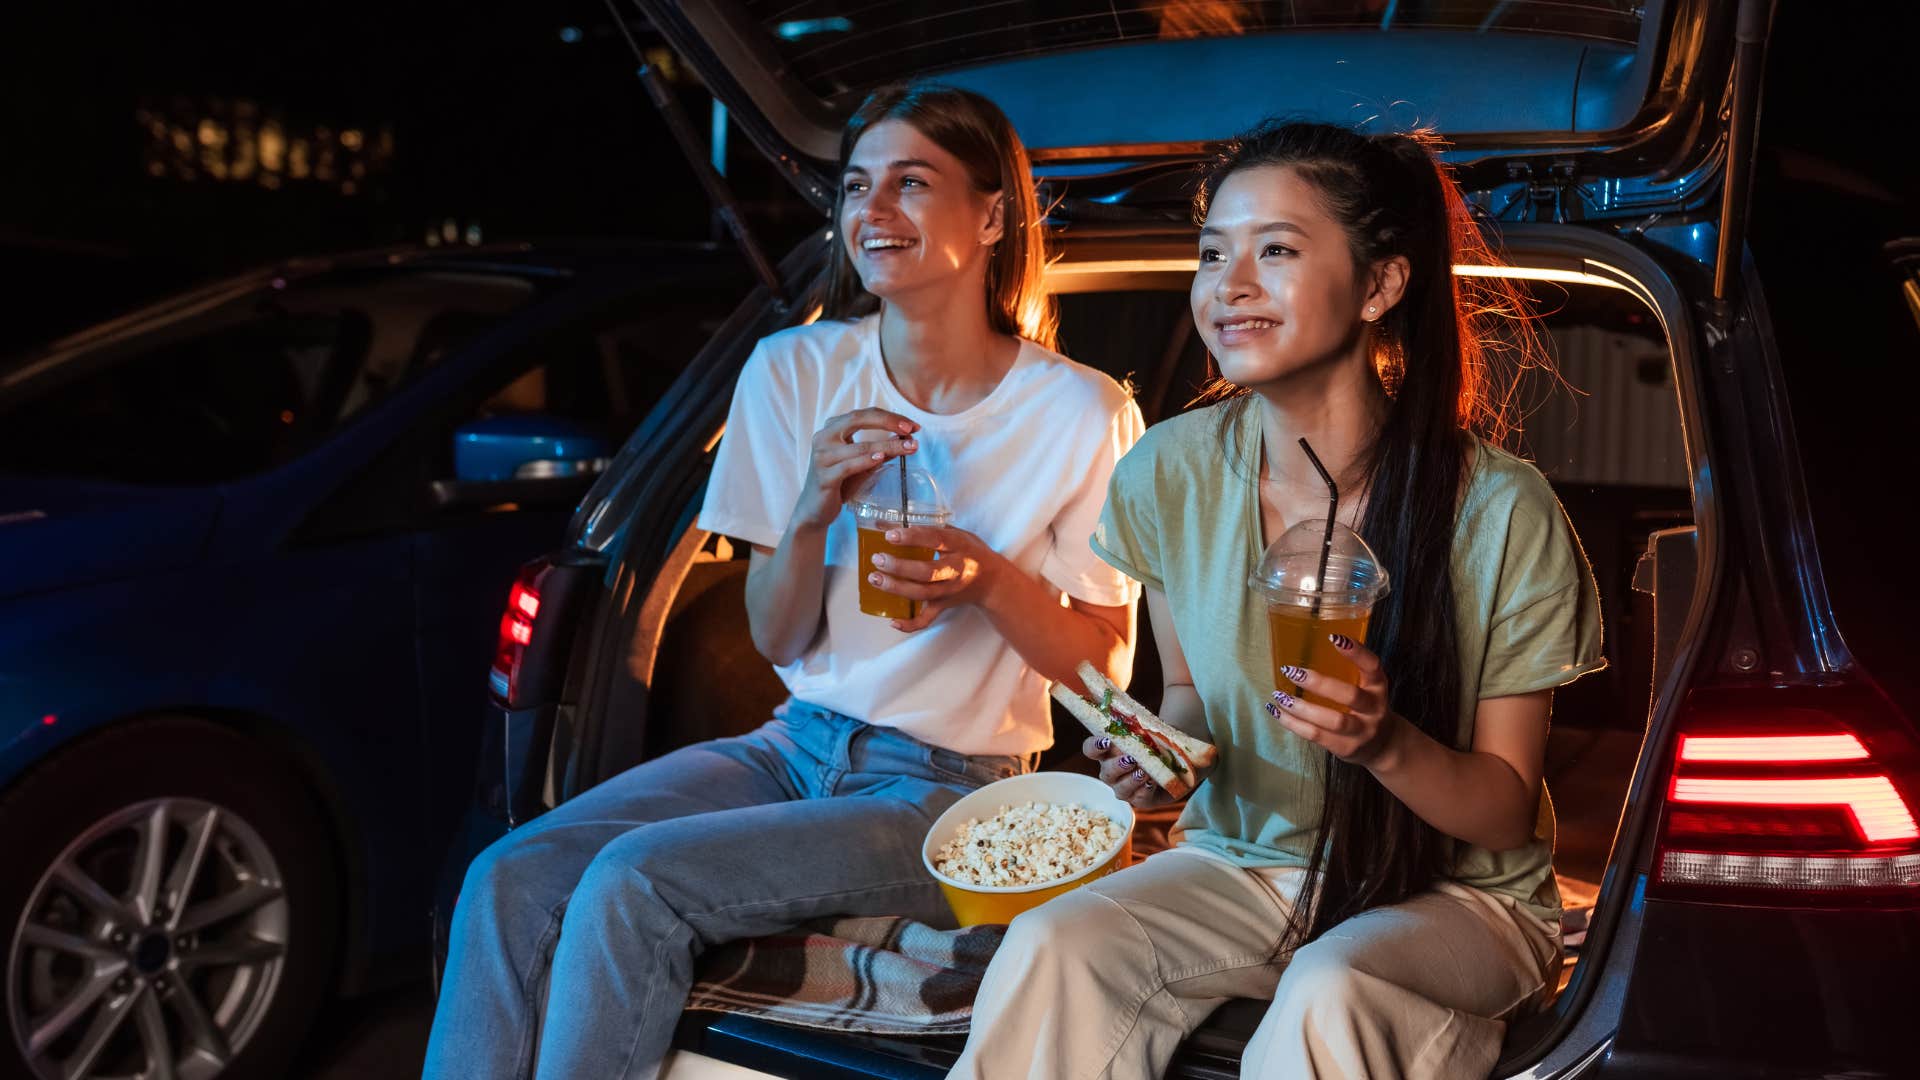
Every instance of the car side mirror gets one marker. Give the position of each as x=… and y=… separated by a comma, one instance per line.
x=524, y=459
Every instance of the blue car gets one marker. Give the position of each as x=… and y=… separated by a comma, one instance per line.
x=253, y=544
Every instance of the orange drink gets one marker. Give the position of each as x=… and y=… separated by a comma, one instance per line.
x=873, y=599
x=1317, y=580
x=1299, y=638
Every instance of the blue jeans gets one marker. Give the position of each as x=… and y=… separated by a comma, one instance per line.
x=574, y=941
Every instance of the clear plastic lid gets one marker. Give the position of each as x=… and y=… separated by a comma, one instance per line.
x=1290, y=571
x=877, y=499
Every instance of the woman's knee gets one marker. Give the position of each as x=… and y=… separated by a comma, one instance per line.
x=621, y=884
x=1076, y=926
x=1320, y=980
x=505, y=878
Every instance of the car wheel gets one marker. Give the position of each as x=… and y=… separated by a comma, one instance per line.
x=170, y=907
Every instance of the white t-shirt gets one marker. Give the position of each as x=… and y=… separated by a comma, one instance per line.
x=1025, y=469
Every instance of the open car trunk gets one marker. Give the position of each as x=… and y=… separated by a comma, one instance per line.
x=1611, y=438
x=1575, y=124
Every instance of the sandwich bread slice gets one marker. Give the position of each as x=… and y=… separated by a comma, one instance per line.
x=1170, y=757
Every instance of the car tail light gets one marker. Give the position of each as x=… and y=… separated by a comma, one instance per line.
x=1804, y=794
x=546, y=604
x=516, y=628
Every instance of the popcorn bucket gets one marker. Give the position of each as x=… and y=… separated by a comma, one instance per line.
x=977, y=904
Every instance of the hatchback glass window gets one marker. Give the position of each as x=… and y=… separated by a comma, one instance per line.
x=840, y=46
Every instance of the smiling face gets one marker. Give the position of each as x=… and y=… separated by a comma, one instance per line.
x=909, y=214
x=1277, y=291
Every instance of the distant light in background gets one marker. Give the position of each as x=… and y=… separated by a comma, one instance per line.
x=570, y=35
x=239, y=141
x=473, y=234
x=796, y=29
x=49, y=720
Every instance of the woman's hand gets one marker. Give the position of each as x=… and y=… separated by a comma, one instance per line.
x=1125, y=776
x=963, y=572
x=1363, y=728
x=837, y=462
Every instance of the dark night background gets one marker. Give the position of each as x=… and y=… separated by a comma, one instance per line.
x=525, y=121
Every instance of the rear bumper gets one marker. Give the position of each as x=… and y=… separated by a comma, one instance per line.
x=1721, y=990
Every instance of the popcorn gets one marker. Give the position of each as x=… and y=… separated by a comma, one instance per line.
x=1029, y=844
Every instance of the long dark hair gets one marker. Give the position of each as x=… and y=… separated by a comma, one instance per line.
x=973, y=129
x=1440, y=353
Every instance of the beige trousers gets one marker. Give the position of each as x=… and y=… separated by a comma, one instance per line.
x=1105, y=981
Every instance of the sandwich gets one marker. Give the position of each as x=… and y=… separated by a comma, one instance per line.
x=1170, y=757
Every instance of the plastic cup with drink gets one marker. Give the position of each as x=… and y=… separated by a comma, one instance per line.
x=892, y=497
x=1319, y=578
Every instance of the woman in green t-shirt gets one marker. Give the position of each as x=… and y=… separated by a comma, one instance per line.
x=1381, y=868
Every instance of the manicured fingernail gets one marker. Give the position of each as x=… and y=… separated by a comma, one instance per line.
x=1340, y=641
x=1140, y=776
x=1104, y=743
x=1127, y=762
x=874, y=578
x=1285, y=699
x=1273, y=710
x=908, y=425
x=893, y=536
x=877, y=455
x=908, y=443
x=880, y=561
x=1296, y=674
x=1148, y=786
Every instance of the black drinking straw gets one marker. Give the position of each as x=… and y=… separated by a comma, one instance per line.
x=1333, y=511
x=902, y=459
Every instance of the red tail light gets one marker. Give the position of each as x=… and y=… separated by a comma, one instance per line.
x=516, y=628
x=1792, y=792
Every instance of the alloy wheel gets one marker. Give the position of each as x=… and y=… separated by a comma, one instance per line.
x=150, y=949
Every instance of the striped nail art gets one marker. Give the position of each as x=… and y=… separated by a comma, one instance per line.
x=1340, y=641
x=1294, y=674
x=1127, y=762
x=1273, y=710
x=1104, y=743
x=1285, y=699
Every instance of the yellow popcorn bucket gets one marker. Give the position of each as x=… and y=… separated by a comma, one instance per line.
x=974, y=905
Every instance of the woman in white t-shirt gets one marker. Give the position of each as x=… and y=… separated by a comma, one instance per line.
x=575, y=937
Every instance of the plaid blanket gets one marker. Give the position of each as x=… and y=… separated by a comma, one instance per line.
x=893, y=976
x=883, y=976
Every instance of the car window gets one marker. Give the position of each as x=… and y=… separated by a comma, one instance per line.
x=837, y=48
x=601, y=370
x=606, y=370
x=214, y=406
x=250, y=388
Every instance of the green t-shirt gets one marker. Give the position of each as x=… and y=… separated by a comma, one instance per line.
x=1183, y=517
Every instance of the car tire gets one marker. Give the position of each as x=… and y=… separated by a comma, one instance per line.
x=218, y=950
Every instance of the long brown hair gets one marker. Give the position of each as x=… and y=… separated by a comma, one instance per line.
x=973, y=129
x=1448, y=355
